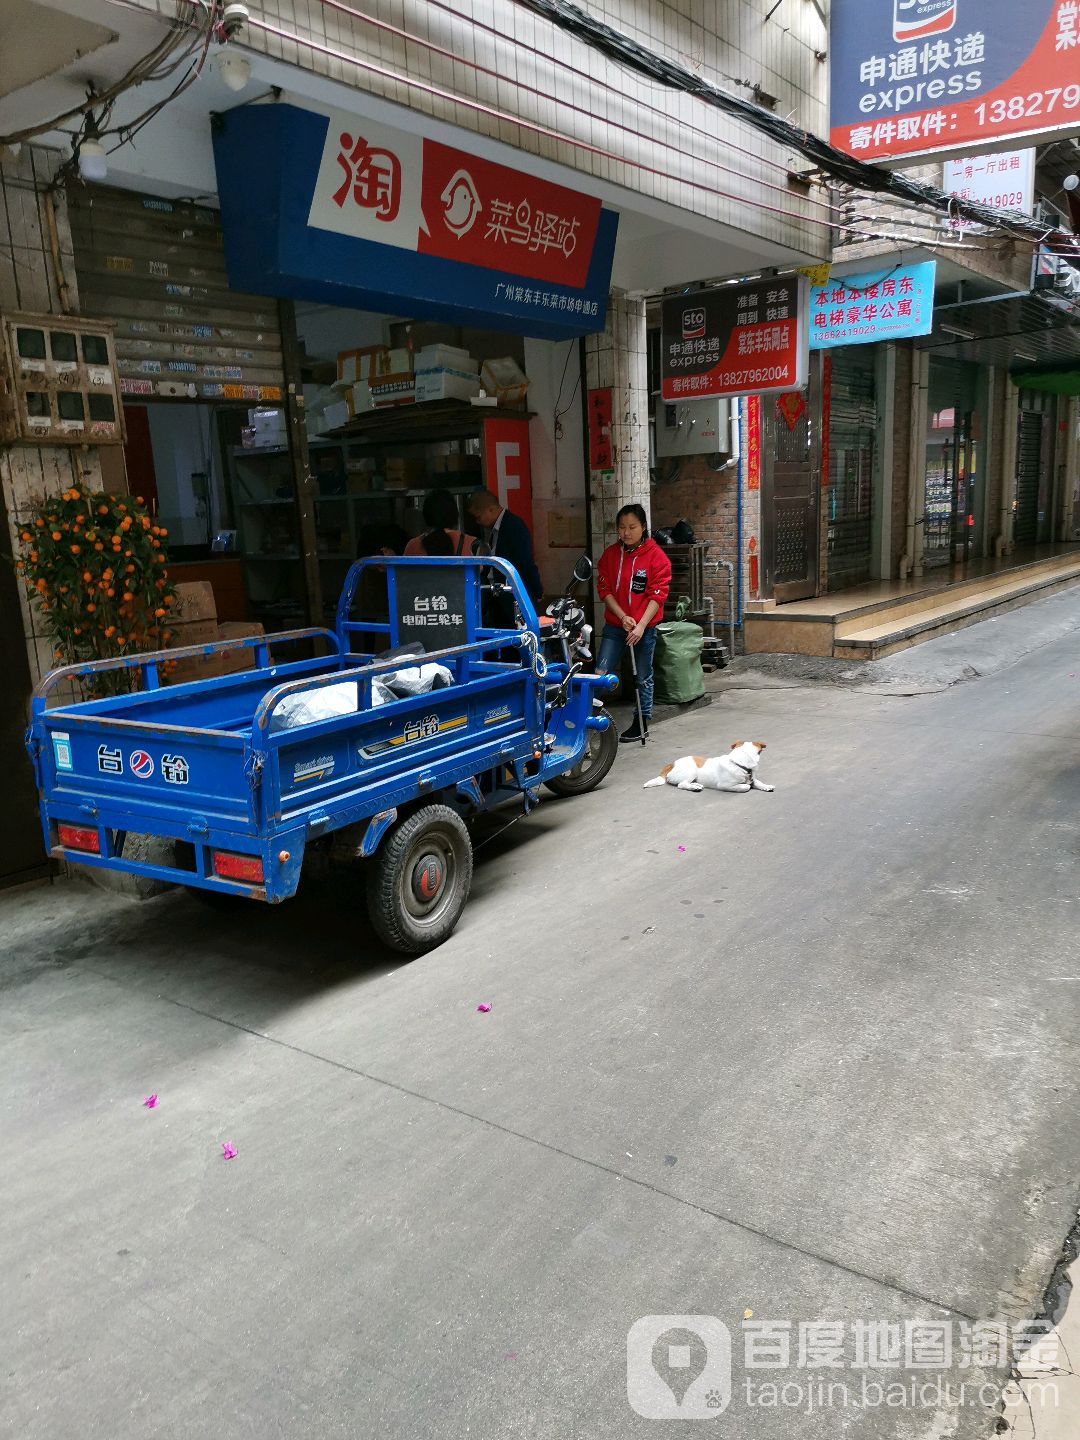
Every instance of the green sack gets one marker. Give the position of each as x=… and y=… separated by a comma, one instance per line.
x=677, y=663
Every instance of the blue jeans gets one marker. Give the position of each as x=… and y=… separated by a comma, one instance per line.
x=609, y=657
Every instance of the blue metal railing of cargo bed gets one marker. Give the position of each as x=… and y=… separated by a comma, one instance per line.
x=206, y=762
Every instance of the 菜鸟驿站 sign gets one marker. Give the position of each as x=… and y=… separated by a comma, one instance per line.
x=861, y=309
x=371, y=217
x=735, y=340
x=920, y=77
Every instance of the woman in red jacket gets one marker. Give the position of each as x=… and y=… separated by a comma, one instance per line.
x=633, y=579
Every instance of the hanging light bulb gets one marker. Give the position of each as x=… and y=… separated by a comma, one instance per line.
x=93, y=162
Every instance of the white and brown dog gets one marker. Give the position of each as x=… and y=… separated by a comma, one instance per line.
x=733, y=771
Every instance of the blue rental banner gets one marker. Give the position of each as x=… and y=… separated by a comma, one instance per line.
x=921, y=77
x=350, y=212
x=861, y=309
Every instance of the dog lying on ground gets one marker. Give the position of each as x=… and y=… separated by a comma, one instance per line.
x=733, y=771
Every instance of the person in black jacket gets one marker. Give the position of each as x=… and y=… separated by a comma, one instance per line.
x=508, y=537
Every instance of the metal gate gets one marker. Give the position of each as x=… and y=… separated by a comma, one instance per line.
x=1033, y=525
x=791, y=445
x=850, y=494
x=953, y=463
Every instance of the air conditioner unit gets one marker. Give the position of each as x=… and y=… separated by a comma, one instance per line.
x=1046, y=215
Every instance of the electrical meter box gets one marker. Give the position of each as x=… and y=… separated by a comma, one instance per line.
x=59, y=381
x=693, y=427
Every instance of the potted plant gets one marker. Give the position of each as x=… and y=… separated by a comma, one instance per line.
x=94, y=565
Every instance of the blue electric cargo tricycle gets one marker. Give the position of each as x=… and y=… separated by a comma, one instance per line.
x=247, y=780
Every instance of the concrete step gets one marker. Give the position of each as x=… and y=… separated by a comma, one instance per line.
x=927, y=600
x=899, y=627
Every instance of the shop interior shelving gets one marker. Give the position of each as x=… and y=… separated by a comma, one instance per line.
x=353, y=496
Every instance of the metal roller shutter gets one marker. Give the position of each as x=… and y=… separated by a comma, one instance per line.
x=852, y=428
x=157, y=270
x=1028, y=472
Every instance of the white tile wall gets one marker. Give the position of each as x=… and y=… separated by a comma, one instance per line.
x=726, y=41
x=617, y=358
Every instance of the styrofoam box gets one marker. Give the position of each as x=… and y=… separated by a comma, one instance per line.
x=335, y=415
x=445, y=385
x=446, y=357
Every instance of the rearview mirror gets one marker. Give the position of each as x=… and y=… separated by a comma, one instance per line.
x=583, y=569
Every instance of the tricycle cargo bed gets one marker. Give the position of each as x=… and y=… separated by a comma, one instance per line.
x=256, y=764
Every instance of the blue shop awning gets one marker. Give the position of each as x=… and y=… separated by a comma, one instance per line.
x=281, y=168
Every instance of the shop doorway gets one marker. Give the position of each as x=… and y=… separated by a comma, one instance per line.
x=850, y=478
x=1034, y=476
x=790, y=488
x=953, y=464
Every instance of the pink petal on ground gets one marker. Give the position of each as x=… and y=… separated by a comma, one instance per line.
x=150, y=1102
x=483, y=1007
x=228, y=1152
x=682, y=849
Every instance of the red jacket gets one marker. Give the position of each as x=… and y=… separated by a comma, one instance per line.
x=634, y=578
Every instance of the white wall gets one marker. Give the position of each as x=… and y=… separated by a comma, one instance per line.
x=328, y=329
x=557, y=451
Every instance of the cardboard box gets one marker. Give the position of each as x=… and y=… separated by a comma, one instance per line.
x=445, y=385
x=404, y=468
x=354, y=365
x=194, y=601
x=234, y=662
x=396, y=389
x=455, y=464
x=398, y=361
x=194, y=632
x=505, y=379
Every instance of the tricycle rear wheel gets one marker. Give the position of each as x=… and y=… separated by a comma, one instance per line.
x=419, y=880
x=600, y=750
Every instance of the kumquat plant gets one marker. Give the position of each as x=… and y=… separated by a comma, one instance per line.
x=94, y=565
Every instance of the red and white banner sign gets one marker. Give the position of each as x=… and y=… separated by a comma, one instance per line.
x=507, y=467
x=395, y=188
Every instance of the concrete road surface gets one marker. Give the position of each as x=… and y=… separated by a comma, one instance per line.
x=805, y=1063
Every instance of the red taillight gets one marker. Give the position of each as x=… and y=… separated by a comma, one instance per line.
x=238, y=867
x=79, y=837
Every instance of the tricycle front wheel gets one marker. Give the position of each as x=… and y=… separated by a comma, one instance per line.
x=600, y=750
x=419, y=880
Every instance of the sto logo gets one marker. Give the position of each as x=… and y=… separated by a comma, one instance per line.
x=141, y=764
x=461, y=202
